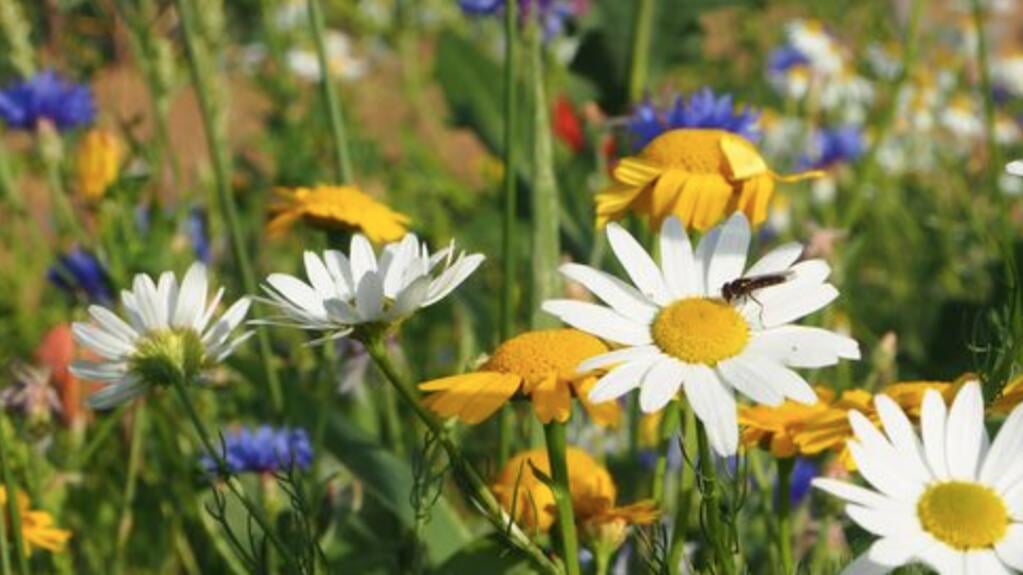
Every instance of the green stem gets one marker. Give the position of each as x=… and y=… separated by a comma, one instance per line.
x=784, y=512
x=8, y=191
x=639, y=55
x=213, y=124
x=473, y=482
x=666, y=433
x=994, y=161
x=716, y=531
x=511, y=157
x=223, y=471
x=686, y=491
x=546, y=248
x=50, y=147
x=13, y=513
x=134, y=463
x=342, y=156
x=554, y=433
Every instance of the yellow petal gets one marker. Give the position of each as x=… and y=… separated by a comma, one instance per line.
x=666, y=191
x=613, y=202
x=552, y=400
x=489, y=397
x=799, y=176
x=743, y=159
x=636, y=172
x=755, y=197
x=606, y=414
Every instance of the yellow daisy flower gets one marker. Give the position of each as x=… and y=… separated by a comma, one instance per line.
x=538, y=364
x=333, y=207
x=831, y=429
x=701, y=176
x=591, y=486
x=97, y=162
x=37, y=530
x=775, y=427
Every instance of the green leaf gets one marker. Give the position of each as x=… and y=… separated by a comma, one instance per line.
x=486, y=555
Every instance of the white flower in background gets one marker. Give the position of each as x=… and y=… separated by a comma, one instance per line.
x=341, y=62
x=812, y=39
x=961, y=117
x=885, y=60
x=1007, y=130
x=678, y=330
x=170, y=336
x=949, y=499
x=291, y=15
x=1007, y=73
x=360, y=290
x=1015, y=168
x=848, y=93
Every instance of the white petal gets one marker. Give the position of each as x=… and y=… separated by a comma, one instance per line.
x=298, y=293
x=883, y=473
x=620, y=296
x=1005, y=449
x=898, y=549
x=117, y=393
x=101, y=342
x=341, y=270
x=98, y=371
x=932, y=427
x=714, y=404
x=191, y=300
x=678, y=264
x=453, y=277
x=363, y=259
x=944, y=559
x=803, y=346
x=744, y=376
x=882, y=521
x=899, y=429
x=729, y=257
x=166, y=296
x=144, y=297
x=963, y=435
x=599, y=321
x=793, y=304
x=617, y=356
x=661, y=384
x=410, y=298
x=319, y=276
x=369, y=299
x=785, y=381
x=1013, y=498
x=395, y=273
x=202, y=321
x=1010, y=548
x=864, y=565
x=984, y=562
x=777, y=260
x=853, y=493
x=702, y=256
x=112, y=324
x=227, y=323
x=620, y=380
x=645, y=274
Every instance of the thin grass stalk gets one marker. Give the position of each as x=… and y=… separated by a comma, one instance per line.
x=342, y=155
x=686, y=490
x=213, y=125
x=784, y=512
x=554, y=434
x=546, y=244
x=994, y=161
x=124, y=525
x=472, y=482
x=13, y=513
x=717, y=532
x=639, y=54
x=506, y=420
x=666, y=434
x=8, y=191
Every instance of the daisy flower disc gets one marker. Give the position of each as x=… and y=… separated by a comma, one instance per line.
x=948, y=498
x=676, y=331
x=170, y=335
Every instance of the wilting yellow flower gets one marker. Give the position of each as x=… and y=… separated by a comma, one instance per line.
x=591, y=486
x=1011, y=396
x=336, y=207
x=37, y=530
x=831, y=429
x=97, y=163
x=701, y=176
x=538, y=364
x=775, y=427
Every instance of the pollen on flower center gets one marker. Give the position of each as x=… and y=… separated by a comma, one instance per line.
x=963, y=515
x=696, y=151
x=535, y=354
x=700, y=330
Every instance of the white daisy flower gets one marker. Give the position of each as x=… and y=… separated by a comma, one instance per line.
x=1014, y=168
x=950, y=499
x=677, y=330
x=346, y=292
x=170, y=336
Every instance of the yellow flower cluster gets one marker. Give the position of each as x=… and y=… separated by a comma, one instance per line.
x=97, y=163
x=37, y=530
x=336, y=207
x=531, y=502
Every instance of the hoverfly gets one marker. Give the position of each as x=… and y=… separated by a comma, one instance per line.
x=743, y=288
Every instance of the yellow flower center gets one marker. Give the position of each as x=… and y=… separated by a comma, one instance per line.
x=535, y=354
x=695, y=151
x=963, y=515
x=700, y=330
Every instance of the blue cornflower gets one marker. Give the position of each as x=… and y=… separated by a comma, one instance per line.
x=79, y=272
x=552, y=13
x=784, y=58
x=831, y=147
x=46, y=96
x=265, y=449
x=799, y=482
x=199, y=234
x=703, y=109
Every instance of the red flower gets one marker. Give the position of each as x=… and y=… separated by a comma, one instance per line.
x=567, y=126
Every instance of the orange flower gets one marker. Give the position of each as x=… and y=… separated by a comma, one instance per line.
x=336, y=207
x=775, y=427
x=37, y=530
